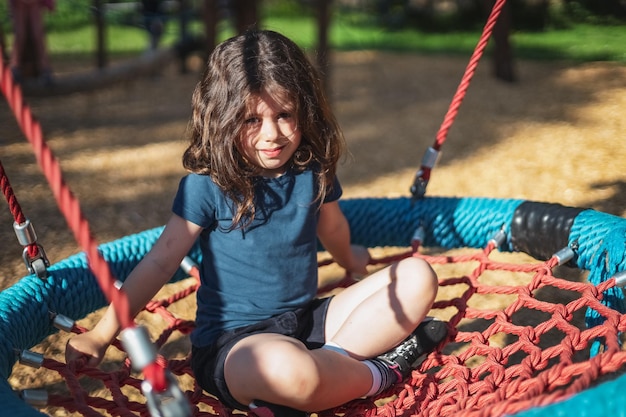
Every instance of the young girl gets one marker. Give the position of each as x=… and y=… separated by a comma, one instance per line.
x=262, y=190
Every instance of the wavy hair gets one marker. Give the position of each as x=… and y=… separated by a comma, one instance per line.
x=239, y=69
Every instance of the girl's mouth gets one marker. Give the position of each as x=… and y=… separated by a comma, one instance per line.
x=272, y=153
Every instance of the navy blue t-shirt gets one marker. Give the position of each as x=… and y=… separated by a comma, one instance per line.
x=265, y=269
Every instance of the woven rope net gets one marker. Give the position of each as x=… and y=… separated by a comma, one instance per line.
x=518, y=340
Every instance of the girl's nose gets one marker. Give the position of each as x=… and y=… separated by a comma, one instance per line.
x=269, y=129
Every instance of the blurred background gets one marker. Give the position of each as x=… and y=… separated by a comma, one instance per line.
x=94, y=33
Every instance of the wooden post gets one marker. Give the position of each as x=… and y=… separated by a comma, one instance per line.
x=502, y=60
x=210, y=18
x=3, y=45
x=185, y=41
x=245, y=15
x=323, y=55
x=503, y=55
x=101, y=54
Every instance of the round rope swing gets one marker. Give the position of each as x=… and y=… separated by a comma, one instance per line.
x=529, y=358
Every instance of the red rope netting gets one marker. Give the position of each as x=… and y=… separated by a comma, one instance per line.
x=517, y=340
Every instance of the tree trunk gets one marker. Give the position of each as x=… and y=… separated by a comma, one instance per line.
x=323, y=54
x=210, y=18
x=101, y=54
x=502, y=60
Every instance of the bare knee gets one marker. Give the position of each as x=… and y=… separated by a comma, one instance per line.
x=416, y=280
x=418, y=275
x=295, y=378
x=281, y=373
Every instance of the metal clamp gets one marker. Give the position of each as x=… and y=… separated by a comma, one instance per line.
x=30, y=358
x=25, y=232
x=565, y=255
x=34, y=397
x=171, y=402
x=141, y=351
x=26, y=236
x=418, y=235
x=499, y=238
x=187, y=264
x=37, y=265
x=418, y=189
x=62, y=322
x=430, y=158
x=620, y=279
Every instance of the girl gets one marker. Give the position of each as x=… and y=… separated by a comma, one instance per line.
x=262, y=189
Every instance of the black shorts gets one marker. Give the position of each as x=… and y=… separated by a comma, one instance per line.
x=305, y=324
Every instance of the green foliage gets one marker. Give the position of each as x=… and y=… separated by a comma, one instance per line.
x=282, y=8
x=454, y=15
x=4, y=16
x=579, y=12
x=579, y=42
x=70, y=15
x=568, y=35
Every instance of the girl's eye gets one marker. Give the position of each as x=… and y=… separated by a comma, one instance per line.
x=252, y=120
x=284, y=115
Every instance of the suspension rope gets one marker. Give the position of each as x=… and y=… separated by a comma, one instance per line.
x=422, y=176
x=34, y=256
x=7, y=190
x=69, y=206
x=67, y=202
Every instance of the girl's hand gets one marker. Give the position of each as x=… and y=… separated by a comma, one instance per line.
x=360, y=259
x=86, y=346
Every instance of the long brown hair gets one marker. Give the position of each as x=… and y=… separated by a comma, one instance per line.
x=237, y=70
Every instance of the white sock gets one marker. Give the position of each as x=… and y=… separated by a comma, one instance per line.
x=382, y=376
x=377, y=378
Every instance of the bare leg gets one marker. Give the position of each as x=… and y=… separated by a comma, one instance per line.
x=280, y=370
x=392, y=301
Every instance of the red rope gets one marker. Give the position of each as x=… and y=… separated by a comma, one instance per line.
x=461, y=91
x=7, y=190
x=469, y=74
x=15, y=208
x=67, y=202
x=70, y=208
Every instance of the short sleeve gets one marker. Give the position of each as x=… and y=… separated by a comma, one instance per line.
x=335, y=192
x=195, y=200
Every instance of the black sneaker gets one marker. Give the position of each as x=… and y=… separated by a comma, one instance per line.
x=424, y=339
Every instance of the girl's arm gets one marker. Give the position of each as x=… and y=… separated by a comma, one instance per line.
x=146, y=279
x=333, y=232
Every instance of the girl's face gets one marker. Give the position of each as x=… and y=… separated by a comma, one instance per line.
x=270, y=135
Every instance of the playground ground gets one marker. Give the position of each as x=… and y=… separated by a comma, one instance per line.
x=557, y=135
